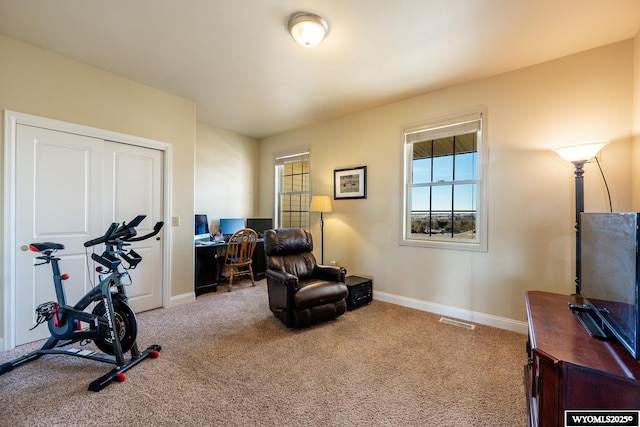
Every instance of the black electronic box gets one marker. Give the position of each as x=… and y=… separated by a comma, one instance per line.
x=360, y=291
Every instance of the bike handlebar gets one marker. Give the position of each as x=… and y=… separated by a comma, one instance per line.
x=156, y=230
x=125, y=232
x=104, y=238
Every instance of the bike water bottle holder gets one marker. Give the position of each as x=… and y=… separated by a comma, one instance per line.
x=132, y=258
x=109, y=261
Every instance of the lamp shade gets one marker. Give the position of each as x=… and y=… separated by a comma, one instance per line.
x=321, y=204
x=307, y=29
x=580, y=152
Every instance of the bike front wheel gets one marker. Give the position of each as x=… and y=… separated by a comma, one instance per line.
x=126, y=326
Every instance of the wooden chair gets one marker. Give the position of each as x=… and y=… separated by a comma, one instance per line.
x=239, y=254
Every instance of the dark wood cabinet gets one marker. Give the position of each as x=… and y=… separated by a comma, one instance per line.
x=568, y=369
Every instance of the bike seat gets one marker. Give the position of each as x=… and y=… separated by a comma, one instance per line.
x=45, y=246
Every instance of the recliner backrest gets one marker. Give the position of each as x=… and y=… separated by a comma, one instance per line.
x=290, y=250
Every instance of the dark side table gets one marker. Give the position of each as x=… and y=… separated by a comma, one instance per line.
x=360, y=291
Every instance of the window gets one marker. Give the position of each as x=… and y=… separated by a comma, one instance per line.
x=444, y=204
x=292, y=190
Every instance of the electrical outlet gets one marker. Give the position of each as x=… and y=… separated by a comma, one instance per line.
x=333, y=262
x=175, y=221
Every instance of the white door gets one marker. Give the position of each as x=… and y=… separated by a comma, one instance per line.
x=135, y=177
x=55, y=202
x=69, y=188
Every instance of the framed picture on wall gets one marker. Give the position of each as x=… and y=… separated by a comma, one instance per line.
x=350, y=183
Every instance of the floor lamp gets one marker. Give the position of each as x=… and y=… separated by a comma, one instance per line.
x=321, y=204
x=579, y=154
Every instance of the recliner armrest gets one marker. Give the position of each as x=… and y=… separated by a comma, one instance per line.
x=330, y=272
x=285, y=278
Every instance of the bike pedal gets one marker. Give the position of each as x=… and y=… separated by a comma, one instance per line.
x=46, y=309
x=44, y=312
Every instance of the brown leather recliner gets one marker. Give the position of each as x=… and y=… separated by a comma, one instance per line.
x=301, y=292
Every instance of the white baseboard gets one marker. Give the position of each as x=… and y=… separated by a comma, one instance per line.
x=182, y=299
x=457, y=313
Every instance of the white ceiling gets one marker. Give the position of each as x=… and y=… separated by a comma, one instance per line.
x=235, y=59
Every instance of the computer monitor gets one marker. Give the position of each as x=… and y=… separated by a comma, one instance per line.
x=228, y=226
x=202, y=227
x=260, y=225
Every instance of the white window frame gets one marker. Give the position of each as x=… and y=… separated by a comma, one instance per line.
x=302, y=155
x=440, y=128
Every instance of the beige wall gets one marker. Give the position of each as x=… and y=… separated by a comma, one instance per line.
x=226, y=174
x=530, y=188
x=41, y=83
x=636, y=125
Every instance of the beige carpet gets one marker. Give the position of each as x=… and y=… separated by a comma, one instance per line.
x=227, y=361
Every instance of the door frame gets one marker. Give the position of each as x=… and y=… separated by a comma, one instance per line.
x=9, y=244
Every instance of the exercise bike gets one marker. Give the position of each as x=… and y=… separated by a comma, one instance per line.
x=111, y=324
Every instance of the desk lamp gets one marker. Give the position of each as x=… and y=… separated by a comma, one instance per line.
x=321, y=204
x=579, y=154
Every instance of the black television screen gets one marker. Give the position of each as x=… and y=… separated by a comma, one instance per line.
x=202, y=227
x=260, y=225
x=228, y=226
x=609, y=278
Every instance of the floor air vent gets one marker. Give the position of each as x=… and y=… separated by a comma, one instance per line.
x=457, y=323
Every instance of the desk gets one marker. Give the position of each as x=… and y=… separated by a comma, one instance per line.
x=208, y=265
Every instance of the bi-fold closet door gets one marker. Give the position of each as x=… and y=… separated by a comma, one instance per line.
x=69, y=188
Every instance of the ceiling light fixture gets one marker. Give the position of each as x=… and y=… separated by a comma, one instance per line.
x=307, y=29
